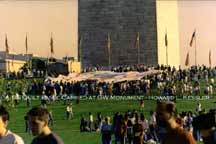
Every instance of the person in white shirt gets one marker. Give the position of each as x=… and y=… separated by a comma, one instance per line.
x=69, y=111
x=198, y=107
x=6, y=136
x=211, y=89
x=16, y=99
x=90, y=121
x=44, y=99
x=152, y=125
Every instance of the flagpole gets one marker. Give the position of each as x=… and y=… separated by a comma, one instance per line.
x=80, y=53
x=138, y=49
x=13, y=63
x=166, y=56
x=47, y=63
x=109, y=50
x=195, y=52
x=26, y=46
x=7, y=63
x=109, y=61
x=166, y=49
x=210, y=58
x=187, y=60
x=80, y=50
x=51, y=45
x=26, y=52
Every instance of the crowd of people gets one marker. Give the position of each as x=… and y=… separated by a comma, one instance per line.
x=120, y=68
x=165, y=126
x=197, y=80
x=22, y=74
x=168, y=82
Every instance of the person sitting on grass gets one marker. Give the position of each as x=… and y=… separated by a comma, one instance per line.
x=6, y=136
x=38, y=120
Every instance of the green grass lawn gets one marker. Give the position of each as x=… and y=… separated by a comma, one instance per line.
x=68, y=130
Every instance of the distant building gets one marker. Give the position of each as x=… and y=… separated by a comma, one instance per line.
x=14, y=62
x=11, y=62
x=74, y=66
x=11, y=65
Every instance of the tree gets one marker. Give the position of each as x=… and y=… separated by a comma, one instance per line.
x=38, y=64
x=25, y=68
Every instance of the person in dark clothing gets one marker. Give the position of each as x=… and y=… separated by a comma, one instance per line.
x=38, y=120
x=99, y=120
x=121, y=131
x=129, y=131
x=166, y=116
x=50, y=121
x=82, y=124
x=138, y=131
x=106, y=131
x=48, y=139
x=27, y=128
x=28, y=101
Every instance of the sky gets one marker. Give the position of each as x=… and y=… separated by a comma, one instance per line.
x=199, y=15
x=40, y=18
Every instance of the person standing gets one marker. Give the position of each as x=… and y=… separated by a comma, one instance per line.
x=28, y=101
x=38, y=120
x=91, y=121
x=166, y=116
x=69, y=111
x=121, y=131
x=142, y=105
x=152, y=126
x=198, y=107
x=50, y=122
x=27, y=128
x=99, y=120
x=138, y=131
x=44, y=99
x=82, y=123
x=6, y=136
x=106, y=131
